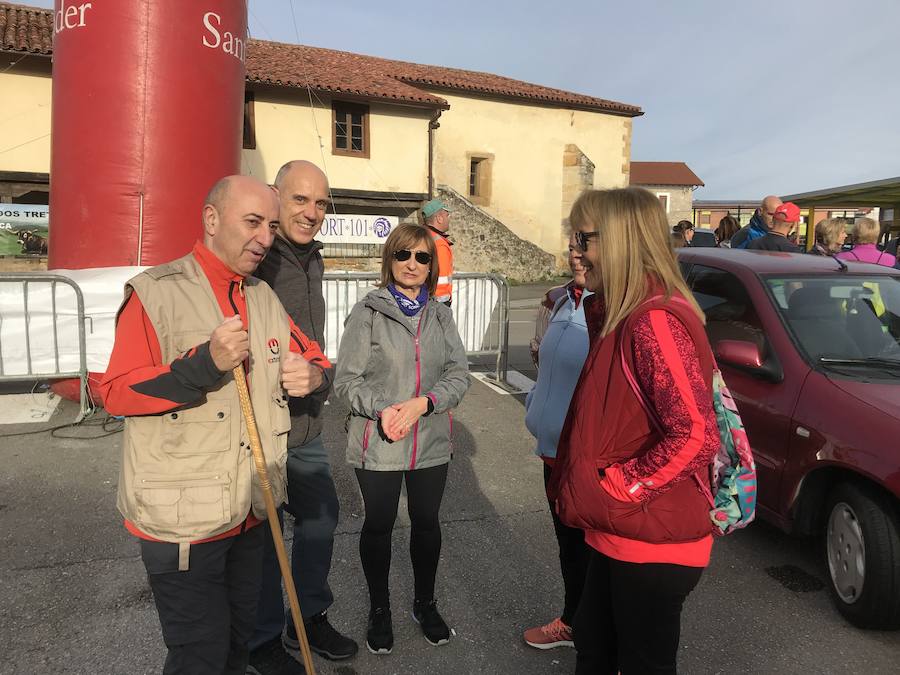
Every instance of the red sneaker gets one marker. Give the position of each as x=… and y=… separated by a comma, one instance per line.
x=553, y=634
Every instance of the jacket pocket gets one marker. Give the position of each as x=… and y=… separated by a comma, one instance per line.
x=195, y=431
x=193, y=501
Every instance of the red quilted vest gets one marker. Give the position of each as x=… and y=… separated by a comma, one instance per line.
x=606, y=424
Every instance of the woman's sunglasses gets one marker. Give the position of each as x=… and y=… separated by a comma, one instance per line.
x=582, y=239
x=421, y=257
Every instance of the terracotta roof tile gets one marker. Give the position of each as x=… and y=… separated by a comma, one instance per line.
x=26, y=29
x=663, y=173
x=330, y=71
x=30, y=29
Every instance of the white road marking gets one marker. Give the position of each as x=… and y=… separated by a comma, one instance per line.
x=516, y=381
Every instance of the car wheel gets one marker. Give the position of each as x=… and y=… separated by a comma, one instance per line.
x=862, y=552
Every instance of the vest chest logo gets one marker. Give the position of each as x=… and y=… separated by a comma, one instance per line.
x=275, y=350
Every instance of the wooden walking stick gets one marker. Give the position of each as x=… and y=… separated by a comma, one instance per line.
x=272, y=513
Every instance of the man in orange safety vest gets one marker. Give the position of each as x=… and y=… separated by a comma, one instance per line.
x=437, y=219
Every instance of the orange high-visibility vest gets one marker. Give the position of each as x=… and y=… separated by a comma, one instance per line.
x=444, y=289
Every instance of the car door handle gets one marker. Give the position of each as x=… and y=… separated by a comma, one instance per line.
x=802, y=432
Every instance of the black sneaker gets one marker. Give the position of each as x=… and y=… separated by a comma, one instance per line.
x=271, y=659
x=323, y=639
x=380, y=634
x=433, y=625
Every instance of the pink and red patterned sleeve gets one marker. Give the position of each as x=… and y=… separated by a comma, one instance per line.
x=669, y=373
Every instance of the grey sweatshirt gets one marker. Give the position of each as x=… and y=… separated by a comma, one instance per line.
x=295, y=274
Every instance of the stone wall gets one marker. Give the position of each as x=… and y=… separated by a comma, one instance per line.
x=578, y=176
x=681, y=201
x=481, y=243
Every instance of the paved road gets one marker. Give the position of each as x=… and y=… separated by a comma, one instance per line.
x=74, y=597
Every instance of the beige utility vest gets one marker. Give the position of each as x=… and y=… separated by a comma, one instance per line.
x=188, y=474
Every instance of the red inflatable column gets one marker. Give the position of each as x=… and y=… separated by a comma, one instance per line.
x=147, y=115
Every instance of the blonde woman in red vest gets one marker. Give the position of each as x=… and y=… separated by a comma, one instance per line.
x=629, y=465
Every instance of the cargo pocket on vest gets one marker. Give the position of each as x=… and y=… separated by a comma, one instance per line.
x=202, y=500
x=195, y=431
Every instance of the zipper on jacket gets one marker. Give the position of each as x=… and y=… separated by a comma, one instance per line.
x=365, y=443
x=412, y=462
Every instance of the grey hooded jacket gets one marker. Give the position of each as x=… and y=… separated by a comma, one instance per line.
x=386, y=357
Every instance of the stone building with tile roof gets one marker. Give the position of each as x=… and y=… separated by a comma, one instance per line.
x=387, y=132
x=672, y=182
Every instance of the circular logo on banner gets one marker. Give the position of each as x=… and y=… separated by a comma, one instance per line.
x=381, y=227
x=273, y=346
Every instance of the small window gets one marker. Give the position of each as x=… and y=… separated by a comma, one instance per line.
x=730, y=314
x=249, y=122
x=663, y=200
x=480, y=179
x=351, y=129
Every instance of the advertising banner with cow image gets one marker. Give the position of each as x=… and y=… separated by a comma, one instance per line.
x=24, y=229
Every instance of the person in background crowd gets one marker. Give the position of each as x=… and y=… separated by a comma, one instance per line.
x=563, y=343
x=437, y=219
x=398, y=341
x=625, y=470
x=728, y=227
x=676, y=240
x=759, y=225
x=784, y=219
x=187, y=488
x=686, y=229
x=542, y=319
x=830, y=236
x=865, y=234
x=294, y=268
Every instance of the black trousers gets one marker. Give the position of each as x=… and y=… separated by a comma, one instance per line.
x=629, y=620
x=573, y=559
x=207, y=612
x=313, y=502
x=381, y=495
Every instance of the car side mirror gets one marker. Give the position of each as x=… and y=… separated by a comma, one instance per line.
x=739, y=353
x=748, y=357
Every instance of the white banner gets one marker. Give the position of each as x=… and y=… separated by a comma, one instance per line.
x=24, y=216
x=340, y=228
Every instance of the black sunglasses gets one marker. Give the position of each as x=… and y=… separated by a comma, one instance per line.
x=421, y=257
x=582, y=239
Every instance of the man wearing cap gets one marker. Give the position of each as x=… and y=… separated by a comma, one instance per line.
x=759, y=225
x=784, y=219
x=437, y=219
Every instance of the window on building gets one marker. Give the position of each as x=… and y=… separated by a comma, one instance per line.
x=663, y=200
x=249, y=122
x=480, y=178
x=350, y=129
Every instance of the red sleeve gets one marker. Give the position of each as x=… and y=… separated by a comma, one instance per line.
x=138, y=383
x=309, y=349
x=669, y=373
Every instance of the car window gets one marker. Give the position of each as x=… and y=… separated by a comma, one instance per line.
x=704, y=239
x=730, y=314
x=841, y=316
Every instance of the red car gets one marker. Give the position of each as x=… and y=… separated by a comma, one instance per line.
x=810, y=348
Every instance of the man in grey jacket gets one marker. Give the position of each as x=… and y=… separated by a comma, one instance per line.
x=294, y=269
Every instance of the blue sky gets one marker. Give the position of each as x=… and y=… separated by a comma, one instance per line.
x=756, y=96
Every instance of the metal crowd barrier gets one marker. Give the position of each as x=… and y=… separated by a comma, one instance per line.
x=37, y=318
x=480, y=308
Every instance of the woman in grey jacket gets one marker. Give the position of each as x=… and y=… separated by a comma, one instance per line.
x=402, y=368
